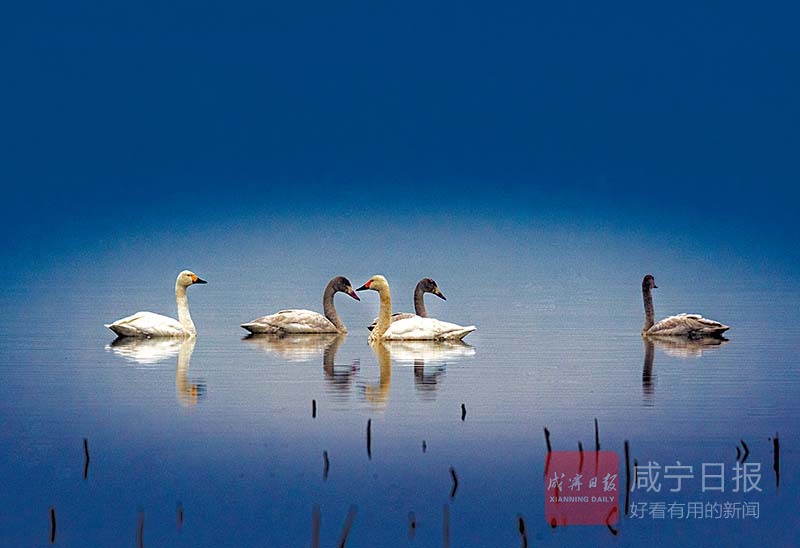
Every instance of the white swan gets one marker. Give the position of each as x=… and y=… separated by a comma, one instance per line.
x=290, y=322
x=148, y=324
x=413, y=328
x=683, y=325
x=425, y=285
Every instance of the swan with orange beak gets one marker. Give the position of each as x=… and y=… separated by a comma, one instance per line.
x=414, y=328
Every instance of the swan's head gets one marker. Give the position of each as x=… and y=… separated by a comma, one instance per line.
x=187, y=278
x=376, y=283
x=649, y=282
x=343, y=285
x=428, y=285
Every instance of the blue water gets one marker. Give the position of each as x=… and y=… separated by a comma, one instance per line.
x=222, y=428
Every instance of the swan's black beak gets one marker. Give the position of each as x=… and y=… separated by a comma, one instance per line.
x=655, y=286
x=352, y=293
x=200, y=281
x=439, y=294
x=363, y=287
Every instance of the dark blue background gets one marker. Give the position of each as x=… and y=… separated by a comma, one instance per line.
x=120, y=118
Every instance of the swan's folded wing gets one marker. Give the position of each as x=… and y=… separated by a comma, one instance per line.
x=147, y=324
x=396, y=316
x=291, y=322
x=420, y=329
x=690, y=325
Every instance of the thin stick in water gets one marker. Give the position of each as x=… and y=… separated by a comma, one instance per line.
x=611, y=529
x=179, y=516
x=313, y=409
x=547, y=439
x=455, y=483
x=140, y=531
x=523, y=535
x=316, y=518
x=596, y=435
x=369, y=438
x=412, y=525
x=776, y=459
x=627, y=477
x=463, y=411
x=348, y=524
x=85, y=458
x=446, y=526
x=325, y=466
x=52, y=525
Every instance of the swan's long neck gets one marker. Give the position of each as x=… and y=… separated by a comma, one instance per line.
x=330, y=310
x=384, y=315
x=649, y=315
x=183, y=309
x=419, y=301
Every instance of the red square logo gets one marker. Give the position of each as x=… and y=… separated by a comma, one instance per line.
x=581, y=488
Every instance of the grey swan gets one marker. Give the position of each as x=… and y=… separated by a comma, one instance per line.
x=693, y=326
x=299, y=322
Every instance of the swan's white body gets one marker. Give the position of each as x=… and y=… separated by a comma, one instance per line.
x=414, y=328
x=149, y=324
x=291, y=322
x=304, y=322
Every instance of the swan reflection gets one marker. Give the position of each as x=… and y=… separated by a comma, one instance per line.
x=146, y=352
x=295, y=348
x=427, y=378
x=430, y=352
x=675, y=347
x=378, y=394
x=339, y=376
x=429, y=359
x=308, y=348
x=150, y=352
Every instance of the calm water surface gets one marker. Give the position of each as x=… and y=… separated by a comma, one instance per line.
x=222, y=427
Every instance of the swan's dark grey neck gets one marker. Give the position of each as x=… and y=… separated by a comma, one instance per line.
x=330, y=310
x=419, y=301
x=649, y=315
